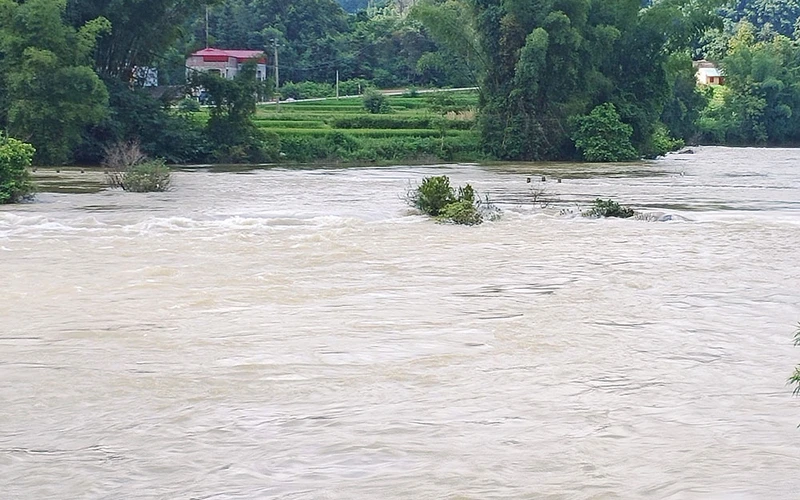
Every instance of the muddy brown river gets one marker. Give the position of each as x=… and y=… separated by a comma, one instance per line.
x=302, y=334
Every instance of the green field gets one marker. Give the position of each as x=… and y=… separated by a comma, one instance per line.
x=342, y=130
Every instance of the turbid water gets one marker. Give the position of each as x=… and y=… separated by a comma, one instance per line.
x=301, y=334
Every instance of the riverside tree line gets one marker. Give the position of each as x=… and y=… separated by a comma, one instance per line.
x=601, y=80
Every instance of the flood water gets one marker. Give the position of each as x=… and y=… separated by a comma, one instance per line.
x=301, y=334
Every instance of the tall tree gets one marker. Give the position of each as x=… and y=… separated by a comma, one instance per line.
x=141, y=30
x=49, y=88
x=763, y=96
x=547, y=61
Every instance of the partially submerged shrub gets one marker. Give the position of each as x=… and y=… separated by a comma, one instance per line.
x=128, y=168
x=461, y=212
x=609, y=208
x=146, y=177
x=435, y=197
x=15, y=181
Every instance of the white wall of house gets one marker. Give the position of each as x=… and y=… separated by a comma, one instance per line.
x=227, y=69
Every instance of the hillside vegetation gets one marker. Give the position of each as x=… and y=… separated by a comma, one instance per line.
x=412, y=129
x=596, y=80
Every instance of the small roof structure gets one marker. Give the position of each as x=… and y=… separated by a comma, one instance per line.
x=710, y=71
x=211, y=54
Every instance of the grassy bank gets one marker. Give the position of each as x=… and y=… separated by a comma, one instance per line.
x=416, y=128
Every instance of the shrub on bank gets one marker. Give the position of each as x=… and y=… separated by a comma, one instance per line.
x=15, y=158
x=601, y=135
x=347, y=146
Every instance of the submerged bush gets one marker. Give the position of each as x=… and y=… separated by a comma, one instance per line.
x=433, y=195
x=437, y=198
x=15, y=158
x=146, y=177
x=461, y=212
x=128, y=168
x=609, y=208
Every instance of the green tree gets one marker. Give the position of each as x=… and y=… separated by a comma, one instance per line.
x=306, y=31
x=601, y=135
x=544, y=61
x=762, y=94
x=162, y=131
x=142, y=31
x=48, y=86
x=230, y=129
x=682, y=110
x=770, y=17
x=15, y=158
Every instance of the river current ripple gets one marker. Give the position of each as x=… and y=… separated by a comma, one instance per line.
x=302, y=334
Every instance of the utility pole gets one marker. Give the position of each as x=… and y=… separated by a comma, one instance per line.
x=337, y=83
x=275, y=55
x=206, y=26
x=277, y=74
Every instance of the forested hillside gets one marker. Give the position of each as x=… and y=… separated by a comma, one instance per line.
x=557, y=78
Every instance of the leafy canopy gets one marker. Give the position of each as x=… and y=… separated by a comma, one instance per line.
x=48, y=86
x=15, y=158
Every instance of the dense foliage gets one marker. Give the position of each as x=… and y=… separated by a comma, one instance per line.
x=48, y=88
x=315, y=39
x=601, y=135
x=437, y=198
x=761, y=98
x=15, y=158
x=549, y=61
x=550, y=72
x=230, y=131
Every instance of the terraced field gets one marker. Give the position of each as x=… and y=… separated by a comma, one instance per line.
x=416, y=128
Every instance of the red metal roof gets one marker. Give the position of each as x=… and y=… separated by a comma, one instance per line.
x=217, y=54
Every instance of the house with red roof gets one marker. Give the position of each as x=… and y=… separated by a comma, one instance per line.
x=226, y=63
